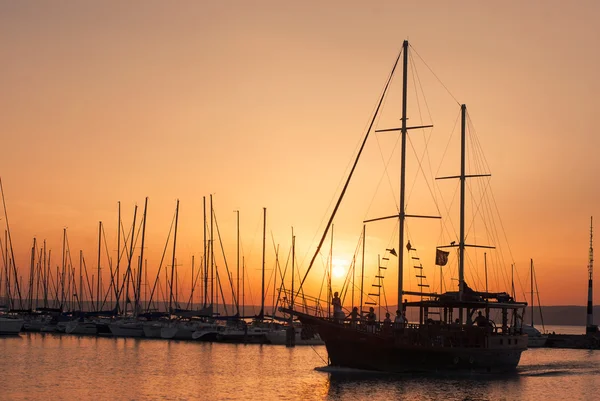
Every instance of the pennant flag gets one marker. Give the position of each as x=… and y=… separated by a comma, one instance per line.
x=393, y=252
x=441, y=257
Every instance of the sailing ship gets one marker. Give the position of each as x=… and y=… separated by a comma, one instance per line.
x=442, y=344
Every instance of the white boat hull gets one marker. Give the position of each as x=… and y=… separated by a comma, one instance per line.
x=76, y=327
x=152, y=330
x=126, y=329
x=279, y=337
x=9, y=326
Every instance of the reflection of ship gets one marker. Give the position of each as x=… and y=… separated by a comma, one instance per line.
x=447, y=343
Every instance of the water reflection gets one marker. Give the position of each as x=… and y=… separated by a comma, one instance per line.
x=50, y=366
x=381, y=386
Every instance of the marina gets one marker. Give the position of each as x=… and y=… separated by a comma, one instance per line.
x=299, y=201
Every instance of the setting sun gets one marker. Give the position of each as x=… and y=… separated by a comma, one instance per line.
x=338, y=269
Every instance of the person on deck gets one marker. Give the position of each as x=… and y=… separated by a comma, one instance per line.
x=354, y=317
x=480, y=320
x=338, y=314
x=400, y=320
x=387, y=323
x=371, y=320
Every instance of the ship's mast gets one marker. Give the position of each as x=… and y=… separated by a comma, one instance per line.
x=461, y=243
x=402, y=173
x=590, y=327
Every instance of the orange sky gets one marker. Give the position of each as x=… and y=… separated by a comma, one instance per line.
x=263, y=103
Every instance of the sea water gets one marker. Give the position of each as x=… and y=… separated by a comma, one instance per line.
x=39, y=366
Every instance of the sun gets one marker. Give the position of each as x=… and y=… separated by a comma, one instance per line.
x=338, y=269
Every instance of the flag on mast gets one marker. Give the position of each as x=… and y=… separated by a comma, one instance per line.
x=441, y=257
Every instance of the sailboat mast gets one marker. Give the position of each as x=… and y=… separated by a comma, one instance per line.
x=237, y=290
x=362, y=271
x=173, y=260
x=262, y=293
x=141, y=263
x=532, y=300
x=590, y=316
x=204, y=258
x=118, y=287
x=461, y=243
x=402, y=173
x=98, y=275
x=212, y=257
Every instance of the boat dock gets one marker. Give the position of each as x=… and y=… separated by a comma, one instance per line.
x=573, y=341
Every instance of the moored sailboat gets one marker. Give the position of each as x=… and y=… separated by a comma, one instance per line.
x=10, y=325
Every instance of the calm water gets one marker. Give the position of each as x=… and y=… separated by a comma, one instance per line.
x=64, y=367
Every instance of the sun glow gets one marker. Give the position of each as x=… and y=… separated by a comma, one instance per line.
x=338, y=269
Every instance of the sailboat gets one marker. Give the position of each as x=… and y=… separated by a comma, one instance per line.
x=535, y=338
x=428, y=345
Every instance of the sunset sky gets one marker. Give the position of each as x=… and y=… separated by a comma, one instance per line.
x=263, y=104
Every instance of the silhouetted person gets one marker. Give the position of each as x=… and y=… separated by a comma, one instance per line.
x=400, y=320
x=371, y=320
x=480, y=320
x=354, y=317
x=338, y=314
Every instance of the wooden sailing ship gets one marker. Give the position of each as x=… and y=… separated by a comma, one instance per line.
x=447, y=336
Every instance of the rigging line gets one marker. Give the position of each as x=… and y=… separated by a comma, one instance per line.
x=351, y=172
x=425, y=139
x=448, y=143
x=386, y=174
x=420, y=170
x=385, y=166
x=448, y=226
x=162, y=259
x=358, y=146
x=425, y=149
x=493, y=198
x=436, y=77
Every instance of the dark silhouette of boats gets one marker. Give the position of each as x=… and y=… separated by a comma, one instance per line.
x=453, y=331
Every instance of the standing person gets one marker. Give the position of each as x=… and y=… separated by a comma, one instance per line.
x=354, y=317
x=400, y=320
x=338, y=314
x=387, y=323
x=371, y=320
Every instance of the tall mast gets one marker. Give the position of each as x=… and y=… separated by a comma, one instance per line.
x=138, y=294
x=402, y=173
x=62, y=293
x=362, y=270
x=262, y=293
x=461, y=243
x=590, y=328
x=237, y=291
x=118, y=287
x=212, y=257
x=173, y=259
x=45, y=282
x=204, y=258
x=532, y=298
x=98, y=283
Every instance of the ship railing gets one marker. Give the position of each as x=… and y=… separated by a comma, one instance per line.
x=304, y=303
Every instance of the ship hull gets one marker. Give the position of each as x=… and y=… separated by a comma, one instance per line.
x=390, y=352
